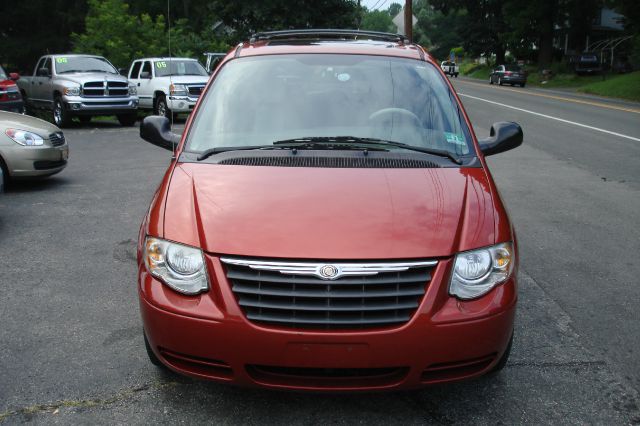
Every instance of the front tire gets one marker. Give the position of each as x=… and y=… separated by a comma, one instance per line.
x=127, y=120
x=152, y=357
x=61, y=117
x=161, y=107
x=505, y=357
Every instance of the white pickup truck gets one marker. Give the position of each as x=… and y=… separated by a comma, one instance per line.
x=168, y=85
x=450, y=68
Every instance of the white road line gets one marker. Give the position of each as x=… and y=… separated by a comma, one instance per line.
x=553, y=118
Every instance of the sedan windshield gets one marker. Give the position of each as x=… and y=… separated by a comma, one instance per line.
x=72, y=64
x=256, y=101
x=3, y=75
x=175, y=67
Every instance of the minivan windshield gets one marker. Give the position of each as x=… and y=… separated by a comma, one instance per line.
x=73, y=64
x=256, y=101
x=175, y=67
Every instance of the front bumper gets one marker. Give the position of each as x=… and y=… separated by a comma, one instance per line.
x=181, y=103
x=100, y=106
x=207, y=336
x=12, y=106
x=34, y=161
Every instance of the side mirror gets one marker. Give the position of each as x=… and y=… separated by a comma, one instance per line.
x=43, y=72
x=145, y=74
x=14, y=76
x=156, y=130
x=123, y=71
x=503, y=136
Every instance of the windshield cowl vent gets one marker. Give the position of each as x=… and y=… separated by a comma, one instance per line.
x=331, y=162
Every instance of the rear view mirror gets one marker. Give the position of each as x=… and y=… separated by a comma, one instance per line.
x=156, y=130
x=503, y=136
x=14, y=76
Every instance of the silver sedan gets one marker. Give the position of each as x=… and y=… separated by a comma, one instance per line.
x=30, y=147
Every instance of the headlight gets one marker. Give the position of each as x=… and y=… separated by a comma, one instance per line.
x=133, y=90
x=180, y=267
x=178, y=90
x=476, y=272
x=72, y=91
x=25, y=138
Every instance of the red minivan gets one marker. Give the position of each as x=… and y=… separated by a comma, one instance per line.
x=328, y=222
x=10, y=97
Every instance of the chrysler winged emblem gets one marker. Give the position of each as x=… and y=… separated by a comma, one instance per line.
x=329, y=272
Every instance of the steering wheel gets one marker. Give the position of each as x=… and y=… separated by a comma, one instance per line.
x=404, y=114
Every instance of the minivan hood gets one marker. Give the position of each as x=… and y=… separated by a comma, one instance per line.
x=329, y=213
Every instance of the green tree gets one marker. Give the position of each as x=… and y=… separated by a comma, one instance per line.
x=111, y=31
x=248, y=16
x=377, y=20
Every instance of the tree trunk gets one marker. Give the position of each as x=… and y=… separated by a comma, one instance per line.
x=545, y=48
x=500, y=52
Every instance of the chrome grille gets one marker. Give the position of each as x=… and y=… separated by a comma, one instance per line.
x=105, y=88
x=57, y=139
x=301, y=295
x=195, y=91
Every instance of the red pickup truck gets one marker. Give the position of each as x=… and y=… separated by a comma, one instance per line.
x=10, y=98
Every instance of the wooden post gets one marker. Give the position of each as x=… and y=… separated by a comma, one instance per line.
x=408, y=20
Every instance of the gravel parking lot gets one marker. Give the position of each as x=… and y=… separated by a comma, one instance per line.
x=72, y=348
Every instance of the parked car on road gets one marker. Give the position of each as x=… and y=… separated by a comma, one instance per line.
x=450, y=68
x=30, y=147
x=80, y=86
x=10, y=98
x=168, y=85
x=328, y=222
x=508, y=74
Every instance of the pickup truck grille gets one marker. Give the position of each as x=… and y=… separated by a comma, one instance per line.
x=299, y=294
x=195, y=91
x=104, y=89
x=57, y=139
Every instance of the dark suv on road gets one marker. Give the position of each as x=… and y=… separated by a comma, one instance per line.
x=328, y=222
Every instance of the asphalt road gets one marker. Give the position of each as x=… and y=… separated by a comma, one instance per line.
x=71, y=348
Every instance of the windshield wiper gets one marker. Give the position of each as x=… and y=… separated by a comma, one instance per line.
x=212, y=151
x=342, y=140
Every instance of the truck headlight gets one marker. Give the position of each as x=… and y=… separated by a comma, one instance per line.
x=178, y=90
x=133, y=90
x=476, y=272
x=72, y=91
x=24, y=138
x=179, y=266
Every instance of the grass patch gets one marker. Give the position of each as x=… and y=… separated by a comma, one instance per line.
x=562, y=80
x=478, y=71
x=625, y=86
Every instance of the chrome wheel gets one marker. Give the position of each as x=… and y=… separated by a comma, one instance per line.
x=57, y=113
x=162, y=107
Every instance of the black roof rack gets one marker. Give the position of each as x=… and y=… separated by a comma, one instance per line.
x=329, y=34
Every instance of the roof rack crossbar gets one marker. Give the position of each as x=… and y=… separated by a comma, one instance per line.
x=327, y=34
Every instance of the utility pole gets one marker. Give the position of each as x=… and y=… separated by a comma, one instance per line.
x=408, y=20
